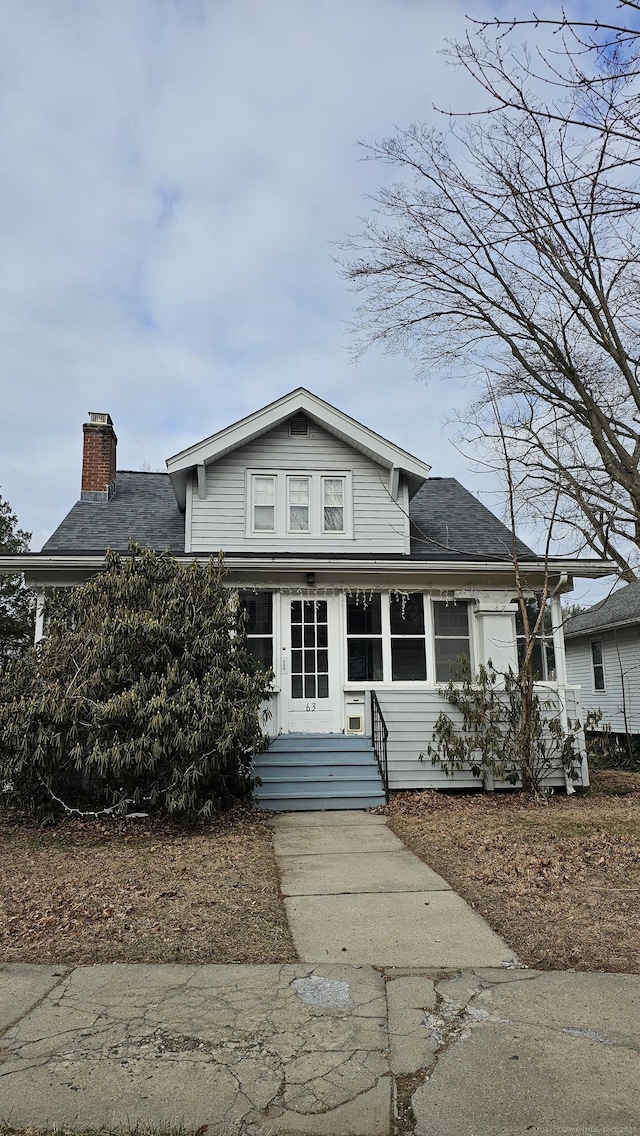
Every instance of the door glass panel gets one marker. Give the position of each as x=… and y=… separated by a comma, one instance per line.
x=309, y=667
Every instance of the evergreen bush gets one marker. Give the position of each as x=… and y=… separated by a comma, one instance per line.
x=142, y=696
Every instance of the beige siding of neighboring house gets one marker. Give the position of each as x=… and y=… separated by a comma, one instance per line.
x=220, y=520
x=621, y=655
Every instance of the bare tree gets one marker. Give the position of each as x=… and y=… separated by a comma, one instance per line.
x=511, y=247
x=585, y=70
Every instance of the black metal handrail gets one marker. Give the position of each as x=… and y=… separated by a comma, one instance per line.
x=379, y=734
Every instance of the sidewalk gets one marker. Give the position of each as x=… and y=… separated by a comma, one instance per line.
x=354, y=893
x=324, y=1051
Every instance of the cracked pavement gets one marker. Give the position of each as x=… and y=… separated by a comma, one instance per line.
x=333, y=1050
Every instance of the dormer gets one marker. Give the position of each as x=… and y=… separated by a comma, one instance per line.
x=297, y=475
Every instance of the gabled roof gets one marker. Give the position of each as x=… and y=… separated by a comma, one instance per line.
x=620, y=609
x=142, y=508
x=360, y=437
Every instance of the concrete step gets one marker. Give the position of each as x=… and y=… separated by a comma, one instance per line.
x=298, y=803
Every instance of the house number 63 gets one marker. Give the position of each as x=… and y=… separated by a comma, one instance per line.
x=310, y=706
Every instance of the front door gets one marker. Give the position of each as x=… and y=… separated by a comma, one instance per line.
x=310, y=679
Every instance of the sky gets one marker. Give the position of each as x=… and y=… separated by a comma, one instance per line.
x=175, y=177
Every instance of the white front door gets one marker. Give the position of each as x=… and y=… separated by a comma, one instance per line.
x=310, y=670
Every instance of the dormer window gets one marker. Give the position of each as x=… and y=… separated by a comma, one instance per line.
x=299, y=494
x=299, y=503
x=264, y=504
x=333, y=504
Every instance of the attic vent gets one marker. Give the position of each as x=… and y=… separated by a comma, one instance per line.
x=299, y=426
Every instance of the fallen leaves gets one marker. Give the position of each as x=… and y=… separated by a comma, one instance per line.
x=140, y=891
x=560, y=882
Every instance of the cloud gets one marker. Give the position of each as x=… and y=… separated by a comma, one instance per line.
x=175, y=173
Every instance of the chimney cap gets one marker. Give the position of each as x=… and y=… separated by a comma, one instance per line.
x=99, y=418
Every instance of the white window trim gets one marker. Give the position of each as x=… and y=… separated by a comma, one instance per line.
x=333, y=477
x=316, y=516
x=387, y=683
x=299, y=477
x=470, y=625
x=600, y=640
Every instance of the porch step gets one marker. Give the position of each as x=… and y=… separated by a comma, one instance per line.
x=307, y=804
x=318, y=771
x=288, y=743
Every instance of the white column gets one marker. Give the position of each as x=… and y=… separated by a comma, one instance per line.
x=39, y=628
x=558, y=641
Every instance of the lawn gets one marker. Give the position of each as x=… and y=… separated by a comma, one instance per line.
x=89, y=891
x=559, y=881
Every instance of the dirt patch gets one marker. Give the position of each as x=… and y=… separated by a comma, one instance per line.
x=138, y=891
x=559, y=881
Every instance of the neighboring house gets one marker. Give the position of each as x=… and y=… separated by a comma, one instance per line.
x=603, y=659
x=364, y=578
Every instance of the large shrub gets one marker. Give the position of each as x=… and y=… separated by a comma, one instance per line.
x=141, y=697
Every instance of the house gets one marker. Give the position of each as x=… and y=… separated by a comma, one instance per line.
x=603, y=659
x=363, y=576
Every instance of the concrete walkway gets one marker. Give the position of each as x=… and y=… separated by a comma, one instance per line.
x=320, y=1051
x=354, y=893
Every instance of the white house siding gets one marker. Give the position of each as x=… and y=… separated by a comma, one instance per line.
x=410, y=717
x=219, y=521
x=621, y=655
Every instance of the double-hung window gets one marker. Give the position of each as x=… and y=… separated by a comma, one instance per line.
x=364, y=638
x=259, y=625
x=543, y=659
x=451, y=638
x=597, y=662
x=333, y=504
x=299, y=502
x=408, y=653
x=264, y=504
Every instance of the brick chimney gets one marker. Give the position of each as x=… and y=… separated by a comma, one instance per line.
x=98, y=458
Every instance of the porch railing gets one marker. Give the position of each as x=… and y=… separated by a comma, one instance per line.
x=380, y=733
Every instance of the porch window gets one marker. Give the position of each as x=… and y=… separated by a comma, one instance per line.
x=264, y=504
x=364, y=638
x=543, y=659
x=408, y=652
x=597, y=661
x=451, y=637
x=298, y=489
x=333, y=504
x=259, y=625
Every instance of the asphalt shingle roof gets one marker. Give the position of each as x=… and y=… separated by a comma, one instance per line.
x=448, y=522
x=621, y=607
x=143, y=508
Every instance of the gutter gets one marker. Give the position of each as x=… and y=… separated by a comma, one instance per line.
x=94, y=562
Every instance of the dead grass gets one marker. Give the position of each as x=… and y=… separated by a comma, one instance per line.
x=140, y=891
x=560, y=881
